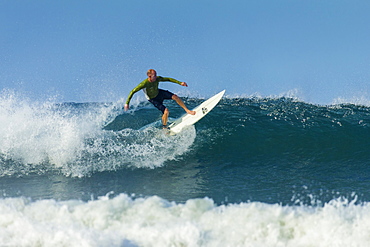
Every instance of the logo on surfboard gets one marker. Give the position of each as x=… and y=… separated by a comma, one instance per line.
x=204, y=110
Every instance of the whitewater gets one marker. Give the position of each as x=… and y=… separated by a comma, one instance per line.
x=256, y=171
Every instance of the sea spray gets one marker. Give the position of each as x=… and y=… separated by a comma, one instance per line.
x=70, y=137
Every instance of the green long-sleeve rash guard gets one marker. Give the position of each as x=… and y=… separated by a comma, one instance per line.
x=150, y=88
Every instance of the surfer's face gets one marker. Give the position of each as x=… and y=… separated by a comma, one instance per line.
x=152, y=77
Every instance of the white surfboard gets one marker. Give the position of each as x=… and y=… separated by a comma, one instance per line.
x=200, y=110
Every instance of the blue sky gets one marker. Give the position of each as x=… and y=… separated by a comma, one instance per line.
x=86, y=50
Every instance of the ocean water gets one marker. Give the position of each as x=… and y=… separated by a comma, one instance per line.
x=254, y=172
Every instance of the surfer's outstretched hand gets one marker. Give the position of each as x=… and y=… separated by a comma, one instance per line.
x=184, y=84
x=127, y=107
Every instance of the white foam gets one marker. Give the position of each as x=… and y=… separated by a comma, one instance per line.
x=149, y=148
x=124, y=221
x=37, y=137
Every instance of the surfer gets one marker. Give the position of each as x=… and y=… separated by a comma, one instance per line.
x=157, y=96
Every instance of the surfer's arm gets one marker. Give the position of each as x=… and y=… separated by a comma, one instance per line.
x=172, y=80
x=133, y=91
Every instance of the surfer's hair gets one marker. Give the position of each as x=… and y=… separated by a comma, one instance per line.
x=151, y=71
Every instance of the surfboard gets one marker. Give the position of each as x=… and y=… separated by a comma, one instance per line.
x=201, y=110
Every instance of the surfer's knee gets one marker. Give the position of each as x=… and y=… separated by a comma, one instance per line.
x=175, y=97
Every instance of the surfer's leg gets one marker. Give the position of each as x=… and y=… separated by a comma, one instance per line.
x=158, y=103
x=181, y=103
x=165, y=117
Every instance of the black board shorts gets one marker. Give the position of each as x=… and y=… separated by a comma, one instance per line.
x=157, y=101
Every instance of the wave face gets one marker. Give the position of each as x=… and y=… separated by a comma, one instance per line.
x=268, y=130
x=245, y=149
x=35, y=136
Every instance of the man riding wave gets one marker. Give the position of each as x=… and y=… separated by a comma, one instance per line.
x=157, y=96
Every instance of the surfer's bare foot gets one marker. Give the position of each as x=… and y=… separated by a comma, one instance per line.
x=190, y=112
